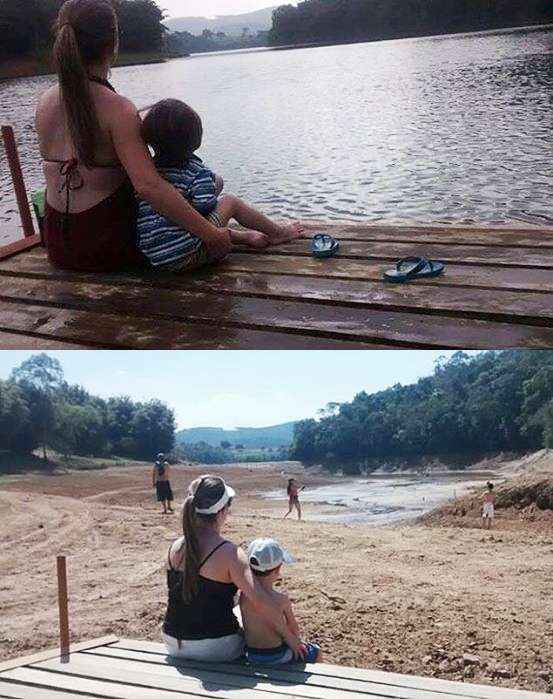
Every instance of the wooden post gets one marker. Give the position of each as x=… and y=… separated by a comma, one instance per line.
x=63, y=607
x=18, y=182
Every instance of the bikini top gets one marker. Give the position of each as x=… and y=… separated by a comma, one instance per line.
x=71, y=178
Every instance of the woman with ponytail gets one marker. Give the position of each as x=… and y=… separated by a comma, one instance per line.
x=94, y=155
x=204, y=573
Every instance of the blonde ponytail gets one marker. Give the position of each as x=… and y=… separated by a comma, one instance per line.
x=192, y=550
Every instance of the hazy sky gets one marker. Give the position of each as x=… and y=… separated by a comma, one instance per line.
x=210, y=8
x=237, y=389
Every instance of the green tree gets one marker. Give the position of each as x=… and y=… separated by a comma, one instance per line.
x=41, y=379
x=16, y=433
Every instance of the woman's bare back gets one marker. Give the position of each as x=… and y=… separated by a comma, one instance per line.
x=56, y=148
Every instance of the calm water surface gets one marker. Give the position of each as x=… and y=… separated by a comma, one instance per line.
x=448, y=129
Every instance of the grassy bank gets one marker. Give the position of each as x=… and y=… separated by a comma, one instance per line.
x=32, y=66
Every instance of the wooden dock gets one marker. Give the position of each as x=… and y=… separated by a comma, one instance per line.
x=497, y=292
x=125, y=669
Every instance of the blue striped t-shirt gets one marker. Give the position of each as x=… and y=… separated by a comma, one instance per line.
x=159, y=239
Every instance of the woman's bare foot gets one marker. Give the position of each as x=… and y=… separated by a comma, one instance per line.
x=288, y=232
x=253, y=239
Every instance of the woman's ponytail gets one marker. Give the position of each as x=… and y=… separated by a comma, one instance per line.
x=85, y=34
x=192, y=549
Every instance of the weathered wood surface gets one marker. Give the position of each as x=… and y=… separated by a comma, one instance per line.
x=497, y=292
x=129, y=669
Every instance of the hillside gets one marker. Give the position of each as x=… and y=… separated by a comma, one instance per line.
x=261, y=20
x=249, y=437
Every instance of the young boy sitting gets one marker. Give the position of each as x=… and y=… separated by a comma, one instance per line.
x=263, y=644
x=175, y=132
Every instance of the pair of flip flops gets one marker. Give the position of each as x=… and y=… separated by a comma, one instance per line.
x=410, y=268
x=324, y=245
x=407, y=269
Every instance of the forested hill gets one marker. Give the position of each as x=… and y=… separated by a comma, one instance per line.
x=495, y=401
x=338, y=21
x=249, y=437
x=26, y=26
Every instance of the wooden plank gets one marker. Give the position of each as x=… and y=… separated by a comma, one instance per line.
x=455, y=275
x=509, y=306
x=19, y=246
x=54, y=653
x=445, y=235
x=134, y=674
x=71, y=686
x=225, y=315
x=305, y=684
x=458, y=254
x=15, y=341
x=111, y=331
x=34, y=263
x=9, y=690
x=343, y=672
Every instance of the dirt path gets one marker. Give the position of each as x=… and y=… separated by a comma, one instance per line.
x=442, y=601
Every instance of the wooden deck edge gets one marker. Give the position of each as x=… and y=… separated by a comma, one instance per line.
x=314, y=223
x=55, y=653
x=19, y=246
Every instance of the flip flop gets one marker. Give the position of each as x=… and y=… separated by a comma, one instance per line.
x=410, y=268
x=324, y=245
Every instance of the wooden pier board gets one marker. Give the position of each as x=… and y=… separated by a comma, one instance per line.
x=497, y=292
x=123, y=669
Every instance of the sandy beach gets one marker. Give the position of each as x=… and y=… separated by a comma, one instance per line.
x=439, y=597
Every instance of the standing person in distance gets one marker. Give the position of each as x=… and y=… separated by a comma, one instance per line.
x=160, y=481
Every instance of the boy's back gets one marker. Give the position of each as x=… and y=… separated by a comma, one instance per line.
x=259, y=633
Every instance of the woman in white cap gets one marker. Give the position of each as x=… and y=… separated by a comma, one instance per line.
x=204, y=573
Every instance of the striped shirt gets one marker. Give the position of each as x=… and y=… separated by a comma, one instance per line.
x=160, y=240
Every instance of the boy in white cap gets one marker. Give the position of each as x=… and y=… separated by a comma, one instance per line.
x=263, y=644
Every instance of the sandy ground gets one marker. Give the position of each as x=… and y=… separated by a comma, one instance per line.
x=441, y=600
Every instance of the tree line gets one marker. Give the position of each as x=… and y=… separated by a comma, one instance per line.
x=26, y=26
x=337, y=21
x=39, y=409
x=226, y=453
x=495, y=401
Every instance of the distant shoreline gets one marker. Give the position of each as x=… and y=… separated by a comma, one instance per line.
x=35, y=67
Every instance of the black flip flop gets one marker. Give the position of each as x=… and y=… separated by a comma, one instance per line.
x=410, y=268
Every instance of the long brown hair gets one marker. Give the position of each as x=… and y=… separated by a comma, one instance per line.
x=203, y=493
x=86, y=32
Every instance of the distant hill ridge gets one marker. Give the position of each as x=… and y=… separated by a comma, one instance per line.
x=260, y=20
x=250, y=437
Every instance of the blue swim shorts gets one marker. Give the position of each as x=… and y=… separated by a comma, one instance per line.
x=281, y=655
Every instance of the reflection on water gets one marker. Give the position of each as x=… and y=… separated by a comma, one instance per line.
x=384, y=499
x=449, y=129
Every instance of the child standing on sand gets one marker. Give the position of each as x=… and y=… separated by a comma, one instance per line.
x=264, y=645
x=175, y=131
x=293, y=491
x=488, y=509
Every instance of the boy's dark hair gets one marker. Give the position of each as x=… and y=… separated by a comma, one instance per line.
x=263, y=573
x=173, y=129
x=490, y=485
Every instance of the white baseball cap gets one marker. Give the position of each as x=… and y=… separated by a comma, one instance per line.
x=267, y=554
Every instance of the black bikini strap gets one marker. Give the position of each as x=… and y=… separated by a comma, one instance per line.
x=102, y=81
x=206, y=559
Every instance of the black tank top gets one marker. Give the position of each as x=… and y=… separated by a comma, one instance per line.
x=208, y=615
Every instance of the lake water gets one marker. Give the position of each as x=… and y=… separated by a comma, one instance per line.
x=384, y=499
x=452, y=130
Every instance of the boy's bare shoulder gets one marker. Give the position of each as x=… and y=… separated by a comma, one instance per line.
x=282, y=599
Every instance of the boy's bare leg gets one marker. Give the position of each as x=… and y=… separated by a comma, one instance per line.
x=231, y=207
